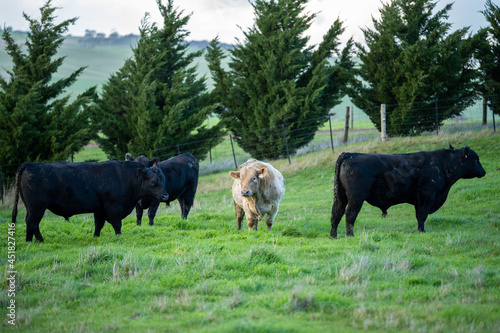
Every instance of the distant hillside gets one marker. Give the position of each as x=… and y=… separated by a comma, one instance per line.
x=101, y=55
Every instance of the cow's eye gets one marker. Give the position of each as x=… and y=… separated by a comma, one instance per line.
x=254, y=178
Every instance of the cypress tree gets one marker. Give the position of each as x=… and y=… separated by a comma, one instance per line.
x=277, y=81
x=36, y=124
x=411, y=61
x=155, y=104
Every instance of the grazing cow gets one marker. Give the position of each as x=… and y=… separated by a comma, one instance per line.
x=110, y=190
x=421, y=179
x=181, y=173
x=257, y=190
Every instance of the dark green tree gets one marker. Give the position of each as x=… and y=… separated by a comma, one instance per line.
x=277, y=81
x=488, y=56
x=36, y=124
x=410, y=61
x=155, y=104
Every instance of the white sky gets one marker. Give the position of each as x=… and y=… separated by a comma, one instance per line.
x=217, y=17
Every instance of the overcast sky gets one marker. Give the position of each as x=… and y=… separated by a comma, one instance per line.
x=216, y=17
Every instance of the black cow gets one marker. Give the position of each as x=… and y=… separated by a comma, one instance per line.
x=110, y=190
x=181, y=173
x=421, y=179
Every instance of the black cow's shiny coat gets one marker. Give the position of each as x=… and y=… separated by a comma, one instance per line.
x=181, y=174
x=109, y=190
x=421, y=179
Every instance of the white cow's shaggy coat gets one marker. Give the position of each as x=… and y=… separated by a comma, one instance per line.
x=258, y=188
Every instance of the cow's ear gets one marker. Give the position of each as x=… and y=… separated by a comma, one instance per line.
x=154, y=162
x=466, y=151
x=140, y=172
x=262, y=172
x=235, y=174
x=452, y=148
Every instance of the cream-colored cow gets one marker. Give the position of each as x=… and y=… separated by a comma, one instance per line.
x=257, y=190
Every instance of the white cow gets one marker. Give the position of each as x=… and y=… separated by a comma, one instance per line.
x=257, y=190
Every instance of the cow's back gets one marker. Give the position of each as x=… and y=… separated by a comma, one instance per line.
x=68, y=189
x=181, y=172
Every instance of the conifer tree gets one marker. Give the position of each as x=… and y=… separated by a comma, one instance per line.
x=36, y=124
x=488, y=55
x=277, y=81
x=155, y=104
x=410, y=62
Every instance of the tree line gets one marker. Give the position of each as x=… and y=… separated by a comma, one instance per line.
x=274, y=79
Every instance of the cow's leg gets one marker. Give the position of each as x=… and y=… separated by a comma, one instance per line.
x=33, y=219
x=351, y=215
x=186, y=201
x=138, y=212
x=240, y=213
x=270, y=217
x=117, y=225
x=423, y=207
x=98, y=224
x=338, y=210
x=421, y=213
x=153, y=208
x=252, y=221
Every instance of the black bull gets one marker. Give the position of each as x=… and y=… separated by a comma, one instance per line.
x=181, y=174
x=109, y=190
x=421, y=179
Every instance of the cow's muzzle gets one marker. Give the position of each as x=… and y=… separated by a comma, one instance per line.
x=164, y=196
x=246, y=193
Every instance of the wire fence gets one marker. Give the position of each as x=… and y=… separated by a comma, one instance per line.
x=233, y=151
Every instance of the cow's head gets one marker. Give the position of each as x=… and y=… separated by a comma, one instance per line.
x=250, y=179
x=471, y=166
x=153, y=183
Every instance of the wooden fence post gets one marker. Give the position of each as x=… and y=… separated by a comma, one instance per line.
x=352, y=117
x=232, y=148
x=485, y=110
x=437, y=118
x=383, y=133
x=286, y=144
x=493, y=112
x=331, y=132
x=346, y=126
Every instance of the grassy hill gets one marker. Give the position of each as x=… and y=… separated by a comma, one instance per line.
x=203, y=275
x=103, y=60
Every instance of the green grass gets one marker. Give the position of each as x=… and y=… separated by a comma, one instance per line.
x=203, y=275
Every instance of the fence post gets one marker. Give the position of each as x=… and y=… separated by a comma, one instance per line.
x=331, y=132
x=437, y=118
x=232, y=148
x=352, y=117
x=493, y=111
x=346, y=126
x=178, y=150
x=485, y=110
x=383, y=130
x=286, y=144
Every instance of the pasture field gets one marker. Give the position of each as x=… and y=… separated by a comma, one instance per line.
x=203, y=275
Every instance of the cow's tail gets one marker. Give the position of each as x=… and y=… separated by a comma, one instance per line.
x=336, y=182
x=19, y=173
